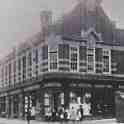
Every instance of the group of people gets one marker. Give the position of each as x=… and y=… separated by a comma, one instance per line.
x=66, y=114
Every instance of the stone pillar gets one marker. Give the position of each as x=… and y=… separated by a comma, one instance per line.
x=38, y=106
x=42, y=103
x=7, y=106
x=12, y=106
x=21, y=106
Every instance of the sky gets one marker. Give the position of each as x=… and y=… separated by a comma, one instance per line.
x=20, y=19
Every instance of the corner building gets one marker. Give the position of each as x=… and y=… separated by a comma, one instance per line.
x=58, y=68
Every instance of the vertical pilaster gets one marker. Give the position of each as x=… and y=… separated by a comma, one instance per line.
x=7, y=106
x=21, y=106
x=12, y=106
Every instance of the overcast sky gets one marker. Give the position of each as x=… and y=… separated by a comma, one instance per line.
x=20, y=19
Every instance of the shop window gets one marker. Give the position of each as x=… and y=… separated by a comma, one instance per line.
x=47, y=106
x=61, y=96
x=72, y=97
x=46, y=99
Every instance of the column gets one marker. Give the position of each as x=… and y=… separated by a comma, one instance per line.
x=66, y=91
x=12, y=106
x=42, y=103
x=38, y=106
x=7, y=106
x=21, y=106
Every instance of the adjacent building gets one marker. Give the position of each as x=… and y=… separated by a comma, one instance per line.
x=75, y=60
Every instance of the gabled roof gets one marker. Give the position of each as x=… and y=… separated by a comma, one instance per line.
x=81, y=18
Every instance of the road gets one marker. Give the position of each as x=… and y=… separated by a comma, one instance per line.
x=16, y=121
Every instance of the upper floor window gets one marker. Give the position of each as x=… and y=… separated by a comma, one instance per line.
x=53, y=60
x=90, y=60
x=63, y=51
x=106, y=61
x=73, y=58
x=106, y=64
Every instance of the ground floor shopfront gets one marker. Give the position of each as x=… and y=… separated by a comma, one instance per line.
x=98, y=97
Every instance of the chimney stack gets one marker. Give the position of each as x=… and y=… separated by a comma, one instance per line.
x=46, y=21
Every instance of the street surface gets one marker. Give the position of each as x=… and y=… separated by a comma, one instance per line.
x=17, y=121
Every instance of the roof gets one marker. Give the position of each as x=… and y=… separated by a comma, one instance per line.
x=82, y=18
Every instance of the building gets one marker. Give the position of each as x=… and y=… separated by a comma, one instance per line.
x=80, y=57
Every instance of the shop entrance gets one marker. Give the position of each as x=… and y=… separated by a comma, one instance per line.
x=58, y=100
x=53, y=100
x=103, y=104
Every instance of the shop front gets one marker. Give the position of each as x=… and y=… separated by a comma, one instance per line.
x=93, y=98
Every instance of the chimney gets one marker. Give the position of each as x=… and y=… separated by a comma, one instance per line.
x=91, y=5
x=46, y=21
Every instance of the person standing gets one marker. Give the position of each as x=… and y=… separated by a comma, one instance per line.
x=81, y=112
x=28, y=117
x=73, y=114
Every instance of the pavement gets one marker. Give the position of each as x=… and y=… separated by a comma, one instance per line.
x=17, y=121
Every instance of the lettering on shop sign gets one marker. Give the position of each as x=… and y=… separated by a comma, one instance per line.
x=52, y=85
x=80, y=85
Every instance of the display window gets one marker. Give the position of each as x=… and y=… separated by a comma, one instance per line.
x=77, y=99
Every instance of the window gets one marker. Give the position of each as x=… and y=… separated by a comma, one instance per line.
x=45, y=58
x=90, y=60
x=63, y=51
x=47, y=105
x=53, y=60
x=73, y=57
x=106, y=64
x=63, y=55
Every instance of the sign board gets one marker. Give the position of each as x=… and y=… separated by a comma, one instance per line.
x=80, y=85
x=52, y=84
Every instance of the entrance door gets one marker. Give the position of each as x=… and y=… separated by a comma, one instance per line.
x=58, y=100
x=104, y=101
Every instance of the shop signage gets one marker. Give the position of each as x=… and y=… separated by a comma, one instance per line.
x=103, y=86
x=15, y=92
x=32, y=88
x=80, y=85
x=52, y=84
